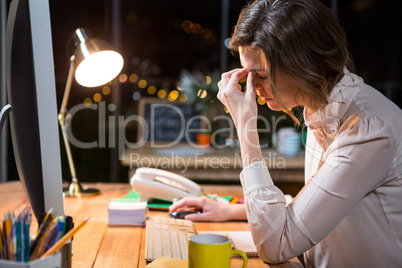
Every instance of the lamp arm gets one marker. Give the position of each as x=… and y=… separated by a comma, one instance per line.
x=67, y=89
x=62, y=118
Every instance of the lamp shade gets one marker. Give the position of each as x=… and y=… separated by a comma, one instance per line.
x=95, y=60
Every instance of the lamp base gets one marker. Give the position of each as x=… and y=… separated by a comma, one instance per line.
x=76, y=190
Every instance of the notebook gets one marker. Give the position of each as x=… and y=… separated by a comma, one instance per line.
x=126, y=212
x=241, y=240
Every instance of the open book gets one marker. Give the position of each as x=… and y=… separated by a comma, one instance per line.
x=241, y=240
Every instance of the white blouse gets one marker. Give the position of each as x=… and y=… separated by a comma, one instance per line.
x=349, y=213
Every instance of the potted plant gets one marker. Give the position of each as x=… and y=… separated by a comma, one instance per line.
x=201, y=90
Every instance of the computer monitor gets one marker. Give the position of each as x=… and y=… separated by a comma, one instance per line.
x=32, y=94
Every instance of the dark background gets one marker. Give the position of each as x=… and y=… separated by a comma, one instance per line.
x=156, y=48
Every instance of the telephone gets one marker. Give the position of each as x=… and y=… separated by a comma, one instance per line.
x=161, y=184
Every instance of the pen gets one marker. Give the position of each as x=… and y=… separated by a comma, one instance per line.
x=60, y=229
x=64, y=239
x=8, y=234
x=35, y=244
x=18, y=241
x=41, y=246
x=48, y=214
x=234, y=200
x=1, y=244
x=27, y=240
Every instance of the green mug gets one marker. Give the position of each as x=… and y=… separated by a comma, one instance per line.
x=212, y=251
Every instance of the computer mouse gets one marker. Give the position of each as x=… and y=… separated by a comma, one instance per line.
x=182, y=213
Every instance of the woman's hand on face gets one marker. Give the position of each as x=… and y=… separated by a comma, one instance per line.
x=211, y=209
x=241, y=105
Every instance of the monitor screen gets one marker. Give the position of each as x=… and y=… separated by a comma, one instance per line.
x=32, y=96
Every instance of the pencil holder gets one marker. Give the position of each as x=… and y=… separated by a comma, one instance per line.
x=66, y=255
x=53, y=261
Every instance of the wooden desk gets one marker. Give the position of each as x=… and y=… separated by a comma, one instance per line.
x=207, y=165
x=98, y=245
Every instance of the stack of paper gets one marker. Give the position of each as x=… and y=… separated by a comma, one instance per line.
x=127, y=212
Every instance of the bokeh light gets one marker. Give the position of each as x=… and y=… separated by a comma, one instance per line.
x=208, y=79
x=206, y=33
x=142, y=83
x=195, y=28
x=97, y=97
x=133, y=78
x=186, y=25
x=136, y=96
x=106, y=90
x=183, y=97
x=202, y=93
x=173, y=95
x=87, y=102
x=123, y=78
x=260, y=101
x=151, y=90
x=161, y=93
x=131, y=18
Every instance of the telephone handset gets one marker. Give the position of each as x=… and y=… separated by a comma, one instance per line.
x=161, y=184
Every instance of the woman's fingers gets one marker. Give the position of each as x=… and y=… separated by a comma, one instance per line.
x=228, y=84
x=240, y=105
x=187, y=202
x=232, y=77
x=225, y=77
x=236, y=76
x=250, y=92
x=199, y=217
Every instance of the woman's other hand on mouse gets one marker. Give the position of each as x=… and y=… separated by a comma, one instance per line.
x=211, y=209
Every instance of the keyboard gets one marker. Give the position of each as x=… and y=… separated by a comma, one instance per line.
x=167, y=237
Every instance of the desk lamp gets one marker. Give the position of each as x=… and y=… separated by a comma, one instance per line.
x=94, y=63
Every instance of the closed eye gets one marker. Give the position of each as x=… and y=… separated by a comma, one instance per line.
x=261, y=77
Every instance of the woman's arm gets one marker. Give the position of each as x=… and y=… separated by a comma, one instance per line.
x=242, y=106
x=347, y=174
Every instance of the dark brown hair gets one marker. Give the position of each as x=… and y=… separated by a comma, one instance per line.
x=301, y=38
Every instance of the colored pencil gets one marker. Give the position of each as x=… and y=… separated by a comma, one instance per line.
x=64, y=239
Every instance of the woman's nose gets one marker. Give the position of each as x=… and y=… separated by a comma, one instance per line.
x=258, y=87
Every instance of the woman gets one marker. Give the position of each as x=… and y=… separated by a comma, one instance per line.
x=349, y=213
